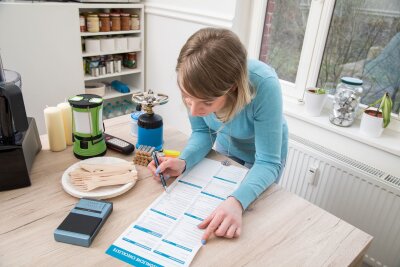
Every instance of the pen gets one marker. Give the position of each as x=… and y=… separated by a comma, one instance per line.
x=161, y=175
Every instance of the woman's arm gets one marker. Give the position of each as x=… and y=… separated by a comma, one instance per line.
x=200, y=142
x=268, y=142
x=226, y=220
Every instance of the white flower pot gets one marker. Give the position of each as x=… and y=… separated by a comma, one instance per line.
x=371, y=126
x=314, y=103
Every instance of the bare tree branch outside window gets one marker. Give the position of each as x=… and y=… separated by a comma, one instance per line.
x=363, y=42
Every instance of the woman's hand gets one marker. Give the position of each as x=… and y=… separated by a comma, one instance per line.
x=168, y=166
x=225, y=221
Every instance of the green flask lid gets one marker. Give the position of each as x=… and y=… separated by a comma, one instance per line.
x=85, y=101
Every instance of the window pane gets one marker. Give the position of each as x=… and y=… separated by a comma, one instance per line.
x=284, y=28
x=364, y=42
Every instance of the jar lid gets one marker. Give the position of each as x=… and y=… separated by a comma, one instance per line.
x=351, y=80
x=104, y=15
x=125, y=14
x=134, y=16
x=92, y=15
x=115, y=15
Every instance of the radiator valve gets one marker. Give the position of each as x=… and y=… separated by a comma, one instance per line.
x=311, y=174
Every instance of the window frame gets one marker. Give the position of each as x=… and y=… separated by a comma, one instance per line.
x=313, y=46
x=312, y=51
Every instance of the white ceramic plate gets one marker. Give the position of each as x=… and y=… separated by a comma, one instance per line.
x=98, y=193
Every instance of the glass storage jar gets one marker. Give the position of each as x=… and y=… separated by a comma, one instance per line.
x=82, y=23
x=135, y=22
x=125, y=21
x=345, y=102
x=130, y=60
x=92, y=23
x=104, y=22
x=115, y=22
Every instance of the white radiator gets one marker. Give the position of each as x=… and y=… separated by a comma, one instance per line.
x=359, y=194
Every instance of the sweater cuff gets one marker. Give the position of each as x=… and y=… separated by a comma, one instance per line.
x=188, y=165
x=184, y=169
x=245, y=195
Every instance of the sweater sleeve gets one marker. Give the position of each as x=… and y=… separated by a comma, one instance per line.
x=268, y=119
x=200, y=142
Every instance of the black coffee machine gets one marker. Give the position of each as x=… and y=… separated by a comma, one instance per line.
x=19, y=138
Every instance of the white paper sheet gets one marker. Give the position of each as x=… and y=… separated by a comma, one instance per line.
x=166, y=233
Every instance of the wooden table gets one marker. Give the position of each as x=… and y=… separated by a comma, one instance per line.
x=279, y=229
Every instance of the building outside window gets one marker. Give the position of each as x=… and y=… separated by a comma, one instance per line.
x=311, y=42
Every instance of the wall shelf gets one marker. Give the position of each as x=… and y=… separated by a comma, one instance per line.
x=108, y=53
x=111, y=93
x=109, y=33
x=124, y=71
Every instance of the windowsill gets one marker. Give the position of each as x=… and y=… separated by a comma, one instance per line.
x=389, y=141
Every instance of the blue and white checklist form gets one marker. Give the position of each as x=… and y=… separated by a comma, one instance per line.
x=166, y=233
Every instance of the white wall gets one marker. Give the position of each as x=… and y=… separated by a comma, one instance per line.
x=200, y=11
x=40, y=41
x=163, y=45
x=169, y=23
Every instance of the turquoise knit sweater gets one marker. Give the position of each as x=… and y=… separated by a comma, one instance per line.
x=258, y=134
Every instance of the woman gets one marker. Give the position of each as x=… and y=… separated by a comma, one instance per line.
x=237, y=104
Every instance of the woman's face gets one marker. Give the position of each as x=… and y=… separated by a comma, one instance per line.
x=202, y=108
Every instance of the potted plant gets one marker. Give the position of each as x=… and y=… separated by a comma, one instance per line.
x=376, y=116
x=314, y=99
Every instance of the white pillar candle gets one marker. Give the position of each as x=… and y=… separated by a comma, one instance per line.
x=55, y=128
x=66, y=113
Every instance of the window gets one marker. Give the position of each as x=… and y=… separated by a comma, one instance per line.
x=315, y=42
x=283, y=35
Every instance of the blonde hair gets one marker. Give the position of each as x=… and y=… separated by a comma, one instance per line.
x=213, y=63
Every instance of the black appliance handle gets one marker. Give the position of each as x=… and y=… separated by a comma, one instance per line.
x=16, y=103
